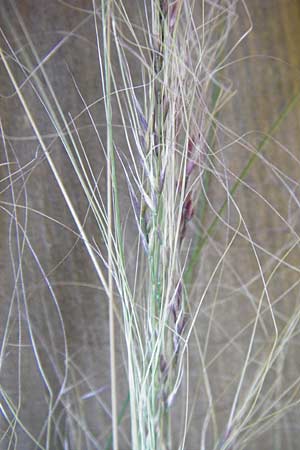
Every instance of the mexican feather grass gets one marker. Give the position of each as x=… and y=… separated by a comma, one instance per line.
x=165, y=262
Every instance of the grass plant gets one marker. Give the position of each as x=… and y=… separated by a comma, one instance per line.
x=195, y=369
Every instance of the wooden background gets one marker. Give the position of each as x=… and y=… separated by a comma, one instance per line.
x=266, y=75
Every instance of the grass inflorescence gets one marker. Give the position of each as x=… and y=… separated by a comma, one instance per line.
x=160, y=222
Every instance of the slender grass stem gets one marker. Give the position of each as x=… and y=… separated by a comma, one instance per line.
x=203, y=240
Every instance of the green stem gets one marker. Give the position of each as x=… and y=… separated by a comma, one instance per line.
x=202, y=240
x=120, y=418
